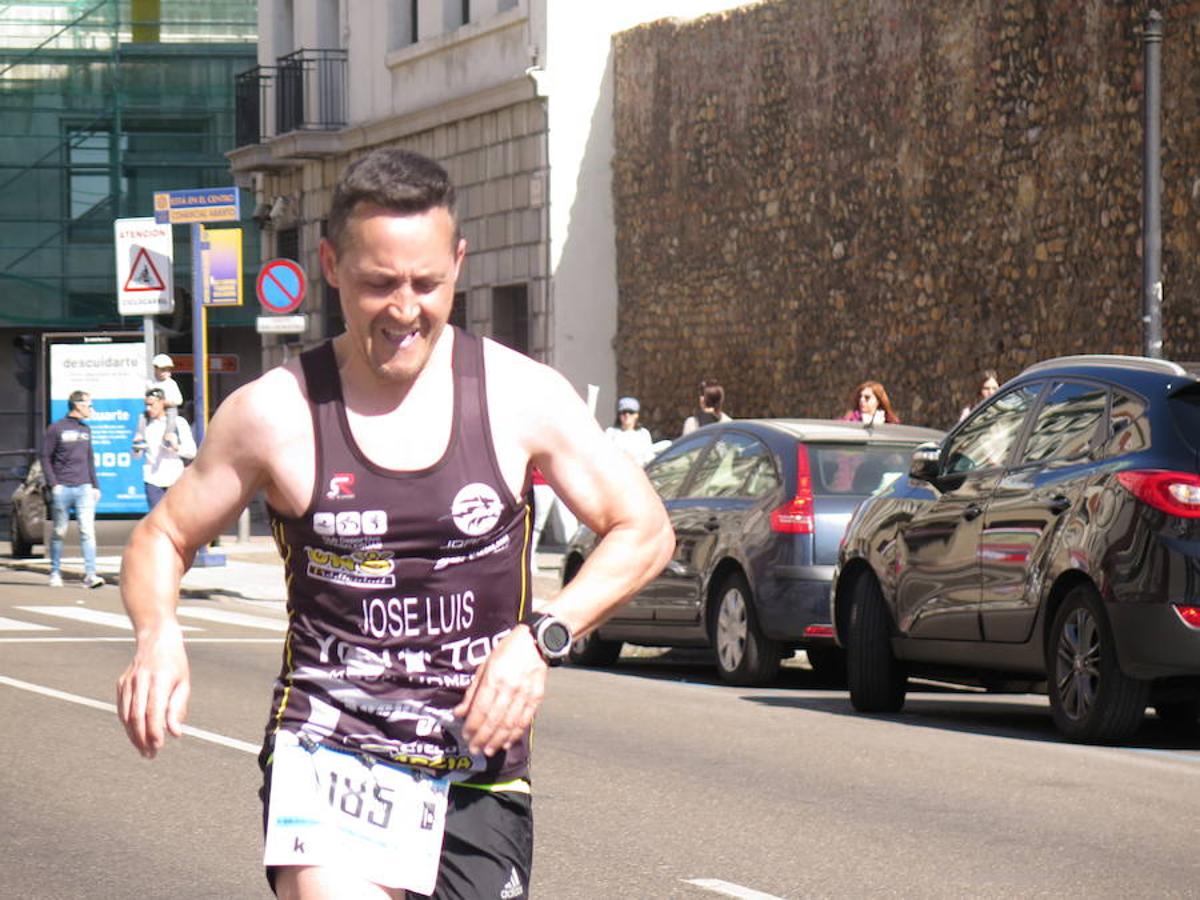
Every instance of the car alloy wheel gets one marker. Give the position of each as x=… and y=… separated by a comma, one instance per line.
x=744, y=656
x=1090, y=697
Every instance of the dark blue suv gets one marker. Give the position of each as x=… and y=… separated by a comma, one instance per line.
x=1053, y=536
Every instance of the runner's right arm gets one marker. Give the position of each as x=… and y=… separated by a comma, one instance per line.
x=152, y=693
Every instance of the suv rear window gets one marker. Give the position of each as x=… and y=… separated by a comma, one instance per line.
x=1185, y=411
x=856, y=469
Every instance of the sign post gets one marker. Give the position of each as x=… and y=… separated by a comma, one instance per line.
x=195, y=207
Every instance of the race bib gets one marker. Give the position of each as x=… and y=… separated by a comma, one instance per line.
x=334, y=809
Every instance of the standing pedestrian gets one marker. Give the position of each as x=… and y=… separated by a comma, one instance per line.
x=165, y=451
x=870, y=404
x=630, y=437
x=709, y=407
x=70, y=471
x=172, y=400
x=989, y=383
x=396, y=468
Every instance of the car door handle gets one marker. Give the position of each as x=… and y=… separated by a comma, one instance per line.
x=1059, y=504
x=973, y=511
x=712, y=524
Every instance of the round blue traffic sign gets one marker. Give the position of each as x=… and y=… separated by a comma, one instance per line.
x=280, y=286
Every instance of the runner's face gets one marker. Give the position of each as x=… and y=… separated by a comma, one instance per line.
x=396, y=276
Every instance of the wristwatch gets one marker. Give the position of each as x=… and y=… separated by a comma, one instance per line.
x=552, y=636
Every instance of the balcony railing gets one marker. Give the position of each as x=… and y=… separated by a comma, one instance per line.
x=311, y=91
x=253, y=101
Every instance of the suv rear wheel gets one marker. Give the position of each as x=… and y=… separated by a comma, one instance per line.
x=744, y=655
x=1091, y=698
x=877, y=680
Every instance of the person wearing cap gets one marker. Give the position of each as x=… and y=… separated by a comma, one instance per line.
x=163, y=460
x=625, y=433
x=172, y=400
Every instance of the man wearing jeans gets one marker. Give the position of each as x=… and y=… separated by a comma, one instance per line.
x=70, y=471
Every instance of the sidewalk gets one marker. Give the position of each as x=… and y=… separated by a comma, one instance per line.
x=252, y=572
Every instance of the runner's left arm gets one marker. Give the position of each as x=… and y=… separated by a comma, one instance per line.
x=612, y=496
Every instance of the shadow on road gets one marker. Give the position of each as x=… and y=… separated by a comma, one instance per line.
x=929, y=704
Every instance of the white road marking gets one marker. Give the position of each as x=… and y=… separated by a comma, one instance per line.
x=227, y=617
x=90, y=616
x=18, y=625
x=210, y=736
x=717, y=886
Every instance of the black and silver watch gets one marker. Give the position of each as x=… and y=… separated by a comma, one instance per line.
x=552, y=636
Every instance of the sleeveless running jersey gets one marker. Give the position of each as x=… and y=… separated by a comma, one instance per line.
x=400, y=583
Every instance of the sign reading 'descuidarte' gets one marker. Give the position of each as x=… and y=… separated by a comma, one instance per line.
x=114, y=374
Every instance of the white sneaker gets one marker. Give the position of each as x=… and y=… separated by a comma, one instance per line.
x=93, y=581
x=55, y=580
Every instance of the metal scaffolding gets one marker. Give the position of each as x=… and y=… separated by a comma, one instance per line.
x=102, y=103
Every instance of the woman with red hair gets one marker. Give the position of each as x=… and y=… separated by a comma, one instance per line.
x=870, y=404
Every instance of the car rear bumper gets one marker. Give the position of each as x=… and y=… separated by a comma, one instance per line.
x=1152, y=641
x=792, y=598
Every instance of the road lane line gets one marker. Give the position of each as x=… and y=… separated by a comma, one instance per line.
x=211, y=736
x=18, y=625
x=90, y=616
x=226, y=617
x=717, y=886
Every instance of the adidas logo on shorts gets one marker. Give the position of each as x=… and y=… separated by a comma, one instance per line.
x=513, y=888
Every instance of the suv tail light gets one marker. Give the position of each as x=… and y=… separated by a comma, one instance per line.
x=1175, y=493
x=1189, y=614
x=796, y=516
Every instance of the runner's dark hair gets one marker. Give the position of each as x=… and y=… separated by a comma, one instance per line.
x=400, y=181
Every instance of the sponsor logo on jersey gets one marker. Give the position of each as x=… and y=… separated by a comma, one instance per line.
x=350, y=523
x=362, y=569
x=476, y=509
x=341, y=486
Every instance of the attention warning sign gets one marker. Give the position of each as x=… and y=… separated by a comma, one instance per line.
x=145, y=252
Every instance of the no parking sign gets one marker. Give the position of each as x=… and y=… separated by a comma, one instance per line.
x=280, y=286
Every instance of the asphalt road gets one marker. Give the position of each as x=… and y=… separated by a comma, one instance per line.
x=651, y=780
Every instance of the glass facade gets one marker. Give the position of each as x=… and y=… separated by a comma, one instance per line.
x=102, y=103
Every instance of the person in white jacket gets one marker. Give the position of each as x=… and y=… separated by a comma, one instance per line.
x=635, y=441
x=165, y=452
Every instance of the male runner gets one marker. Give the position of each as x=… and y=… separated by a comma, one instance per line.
x=395, y=461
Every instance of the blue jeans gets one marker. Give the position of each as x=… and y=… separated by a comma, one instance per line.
x=83, y=500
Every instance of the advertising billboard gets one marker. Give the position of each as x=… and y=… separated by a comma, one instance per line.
x=112, y=368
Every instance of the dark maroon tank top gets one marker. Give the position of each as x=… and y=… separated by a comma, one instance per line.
x=399, y=584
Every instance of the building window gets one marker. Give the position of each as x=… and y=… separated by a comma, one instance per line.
x=455, y=13
x=506, y=4
x=510, y=316
x=287, y=243
x=458, y=312
x=404, y=24
x=89, y=166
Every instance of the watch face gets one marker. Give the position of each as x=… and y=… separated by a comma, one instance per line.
x=556, y=638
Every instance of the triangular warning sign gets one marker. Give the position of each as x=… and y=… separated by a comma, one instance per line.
x=143, y=276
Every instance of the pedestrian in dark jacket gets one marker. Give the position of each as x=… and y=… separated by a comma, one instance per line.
x=70, y=471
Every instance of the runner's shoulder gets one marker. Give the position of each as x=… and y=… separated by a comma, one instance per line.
x=274, y=404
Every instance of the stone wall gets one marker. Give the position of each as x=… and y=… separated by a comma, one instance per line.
x=812, y=193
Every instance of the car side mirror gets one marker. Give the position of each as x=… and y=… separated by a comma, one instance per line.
x=924, y=463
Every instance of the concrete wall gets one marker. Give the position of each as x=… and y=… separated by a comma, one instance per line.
x=813, y=193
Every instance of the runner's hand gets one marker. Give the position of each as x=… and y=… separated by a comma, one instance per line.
x=152, y=694
x=506, y=692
